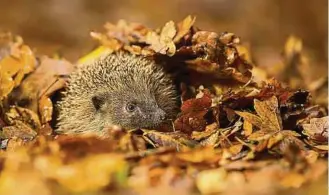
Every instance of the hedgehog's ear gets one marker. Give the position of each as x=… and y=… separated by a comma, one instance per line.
x=98, y=101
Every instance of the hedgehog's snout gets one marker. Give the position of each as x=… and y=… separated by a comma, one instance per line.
x=158, y=117
x=160, y=114
x=154, y=118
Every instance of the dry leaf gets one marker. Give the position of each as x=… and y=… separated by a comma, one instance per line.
x=22, y=114
x=317, y=130
x=7, y=84
x=211, y=150
x=163, y=43
x=20, y=130
x=176, y=139
x=211, y=181
x=184, y=27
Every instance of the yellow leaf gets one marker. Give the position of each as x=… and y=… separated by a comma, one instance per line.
x=97, y=171
x=247, y=127
x=184, y=27
x=269, y=114
x=322, y=147
x=25, y=115
x=172, y=139
x=274, y=139
x=293, y=180
x=251, y=118
x=96, y=53
x=293, y=46
x=20, y=130
x=201, y=155
x=163, y=44
x=260, y=135
x=18, y=66
x=235, y=149
x=45, y=109
x=28, y=59
x=212, y=181
x=7, y=84
x=10, y=65
x=168, y=31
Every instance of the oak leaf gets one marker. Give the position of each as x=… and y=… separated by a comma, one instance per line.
x=184, y=27
x=163, y=43
x=269, y=123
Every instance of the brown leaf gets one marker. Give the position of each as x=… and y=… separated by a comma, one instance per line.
x=24, y=115
x=45, y=109
x=268, y=119
x=134, y=49
x=210, y=129
x=20, y=130
x=17, y=66
x=228, y=38
x=212, y=140
x=14, y=66
x=131, y=142
x=260, y=135
x=45, y=130
x=48, y=72
x=191, y=121
x=14, y=143
x=126, y=32
x=175, y=139
x=274, y=140
x=29, y=63
x=163, y=43
x=322, y=147
x=235, y=149
x=197, y=104
x=169, y=30
x=269, y=114
x=206, y=155
x=216, y=59
x=193, y=113
x=7, y=84
x=184, y=27
x=247, y=127
x=110, y=43
x=44, y=81
x=317, y=130
x=77, y=147
x=251, y=118
x=153, y=39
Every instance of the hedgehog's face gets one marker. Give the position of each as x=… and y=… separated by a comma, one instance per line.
x=131, y=112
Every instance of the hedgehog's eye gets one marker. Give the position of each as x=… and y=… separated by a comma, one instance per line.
x=98, y=102
x=131, y=107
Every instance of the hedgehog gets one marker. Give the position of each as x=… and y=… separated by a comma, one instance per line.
x=119, y=89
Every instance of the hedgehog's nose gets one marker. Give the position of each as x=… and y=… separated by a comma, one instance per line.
x=162, y=114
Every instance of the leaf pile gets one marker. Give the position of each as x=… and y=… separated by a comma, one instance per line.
x=238, y=131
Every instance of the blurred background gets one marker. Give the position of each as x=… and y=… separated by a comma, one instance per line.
x=63, y=26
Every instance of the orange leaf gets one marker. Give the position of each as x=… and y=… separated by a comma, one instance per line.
x=184, y=27
x=45, y=109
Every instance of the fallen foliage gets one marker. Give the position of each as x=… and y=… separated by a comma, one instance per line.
x=239, y=131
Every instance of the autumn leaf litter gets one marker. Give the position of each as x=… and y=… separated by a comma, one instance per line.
x=239, y=131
